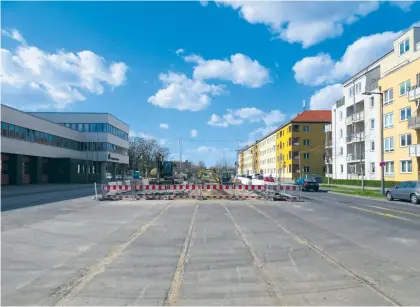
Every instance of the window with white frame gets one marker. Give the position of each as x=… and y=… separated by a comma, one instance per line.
x=388, y=120
x=372, y=167
x=341, y=168
x=358, y=88
x=351, y=91
x=341, y=115
x=388, y=96
x=404, y=46
x=405, y=113
x=341, y=133
x=306, y=142
x=389, y=168
x=389, y=144
x=405, y=140
x=306, y=169
x=306, y=155
x=372, y=102
x=341, y=151
x=372, y=124
x=405, y=87
x=305, y=128
x=372, y=145
x=406, y=166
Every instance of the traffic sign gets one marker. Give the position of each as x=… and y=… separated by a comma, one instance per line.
x=382, y=164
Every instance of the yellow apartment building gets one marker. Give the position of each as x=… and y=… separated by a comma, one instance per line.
x=400, y=85
x=300, y=145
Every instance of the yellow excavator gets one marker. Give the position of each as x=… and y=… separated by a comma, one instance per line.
x=210, y=175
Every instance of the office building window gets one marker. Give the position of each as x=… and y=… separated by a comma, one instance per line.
x=372, y=168
x=404, y=46
x=405, y=113
x=372, y=124
x=405, y=87
x=389, y=96
x=406, y=166
x=389, y=168
x=372, y=145
x=388, y=120
x=389, y=144
x=405, y=140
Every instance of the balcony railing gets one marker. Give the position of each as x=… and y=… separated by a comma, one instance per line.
x=328, y=143
x=328, y=128
x=356, y=137
x=355, y=157
x=414, y=122
x=414, y=150
x=414, y=93
x=355, y=117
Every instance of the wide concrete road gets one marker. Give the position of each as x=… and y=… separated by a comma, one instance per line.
x=320, y=252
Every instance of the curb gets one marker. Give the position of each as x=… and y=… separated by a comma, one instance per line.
x=377, y=199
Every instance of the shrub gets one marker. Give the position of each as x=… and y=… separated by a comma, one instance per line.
x=358, y=182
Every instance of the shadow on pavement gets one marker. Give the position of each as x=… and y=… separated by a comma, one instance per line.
x=37, y=199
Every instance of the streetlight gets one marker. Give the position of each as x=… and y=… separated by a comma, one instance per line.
x=382, y=163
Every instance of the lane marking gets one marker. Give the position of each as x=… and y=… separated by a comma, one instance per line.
x=399, y=211
x=73, y=287
x=319, y=250
x=380, y=213
x=173, y=293
x=272, y=289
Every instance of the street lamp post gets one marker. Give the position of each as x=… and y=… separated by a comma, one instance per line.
x=381, y=108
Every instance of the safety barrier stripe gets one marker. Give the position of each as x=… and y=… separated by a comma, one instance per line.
x=137, y=197
x=179, y=187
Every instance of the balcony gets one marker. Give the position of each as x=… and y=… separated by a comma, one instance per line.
x=328, y=128
x=414, y=93
x=356, y=137
x=414, y=150
x=414, y=122
x=356, y=117
x=328, y=143
x=355, y=157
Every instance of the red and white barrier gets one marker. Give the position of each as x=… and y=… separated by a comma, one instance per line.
x=183, y=187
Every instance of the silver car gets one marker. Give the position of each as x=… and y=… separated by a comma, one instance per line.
x=406, y=190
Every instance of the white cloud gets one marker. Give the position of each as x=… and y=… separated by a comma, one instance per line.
x=14, y=34
x=181, y=93
x=193, y=133
x=179, y=51
x=34, y=76
x=326, y=97
x=307, y=23
x=164, y=126
x=321, y=69
x=403, y=5
x=259, y=133
x=239, y=116
x=239, y=69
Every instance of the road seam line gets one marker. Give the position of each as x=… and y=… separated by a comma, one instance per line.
x=72, y=288
x=318, y=250
x=262, y=268
x=380, y=213
x=173, y=292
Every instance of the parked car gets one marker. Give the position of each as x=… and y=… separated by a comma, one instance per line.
x=308, y=184
x=314, y=177
x=406, y=190
x=268, y=179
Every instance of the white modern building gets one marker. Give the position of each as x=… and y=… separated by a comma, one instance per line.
x=61, y=147
x=267, y=155
x=352, y=144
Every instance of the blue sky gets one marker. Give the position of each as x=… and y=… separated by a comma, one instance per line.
x=230, y=71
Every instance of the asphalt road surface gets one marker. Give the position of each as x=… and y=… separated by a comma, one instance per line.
x=329, y=250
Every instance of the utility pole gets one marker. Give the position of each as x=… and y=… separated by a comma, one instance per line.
x=180, y=156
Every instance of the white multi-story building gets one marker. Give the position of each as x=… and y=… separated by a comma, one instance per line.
x=248, y=168
x=60, y=147
x=355, y=129
x=267, y=150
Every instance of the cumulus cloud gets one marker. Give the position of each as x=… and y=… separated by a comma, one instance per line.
x=179, y=51
x=193, y=133
x=34, y=76
x=259, y=133
x=239, y=116
x=182, y=93
x=322, y=69
x=325, y=98
x=306, y=23
x=239, y=69
x=164, y=126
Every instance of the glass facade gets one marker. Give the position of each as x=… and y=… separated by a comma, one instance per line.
x=107, y=128
x=29, y=135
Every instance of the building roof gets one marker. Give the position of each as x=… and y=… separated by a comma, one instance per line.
x=313, y=116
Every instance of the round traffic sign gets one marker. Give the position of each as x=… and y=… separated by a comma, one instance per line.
x=381, y=164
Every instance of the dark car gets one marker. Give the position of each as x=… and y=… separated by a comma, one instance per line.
x=310, y=184
x=406, y=190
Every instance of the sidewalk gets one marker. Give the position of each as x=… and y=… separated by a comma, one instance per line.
x=17, y=190
x=325, y=185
